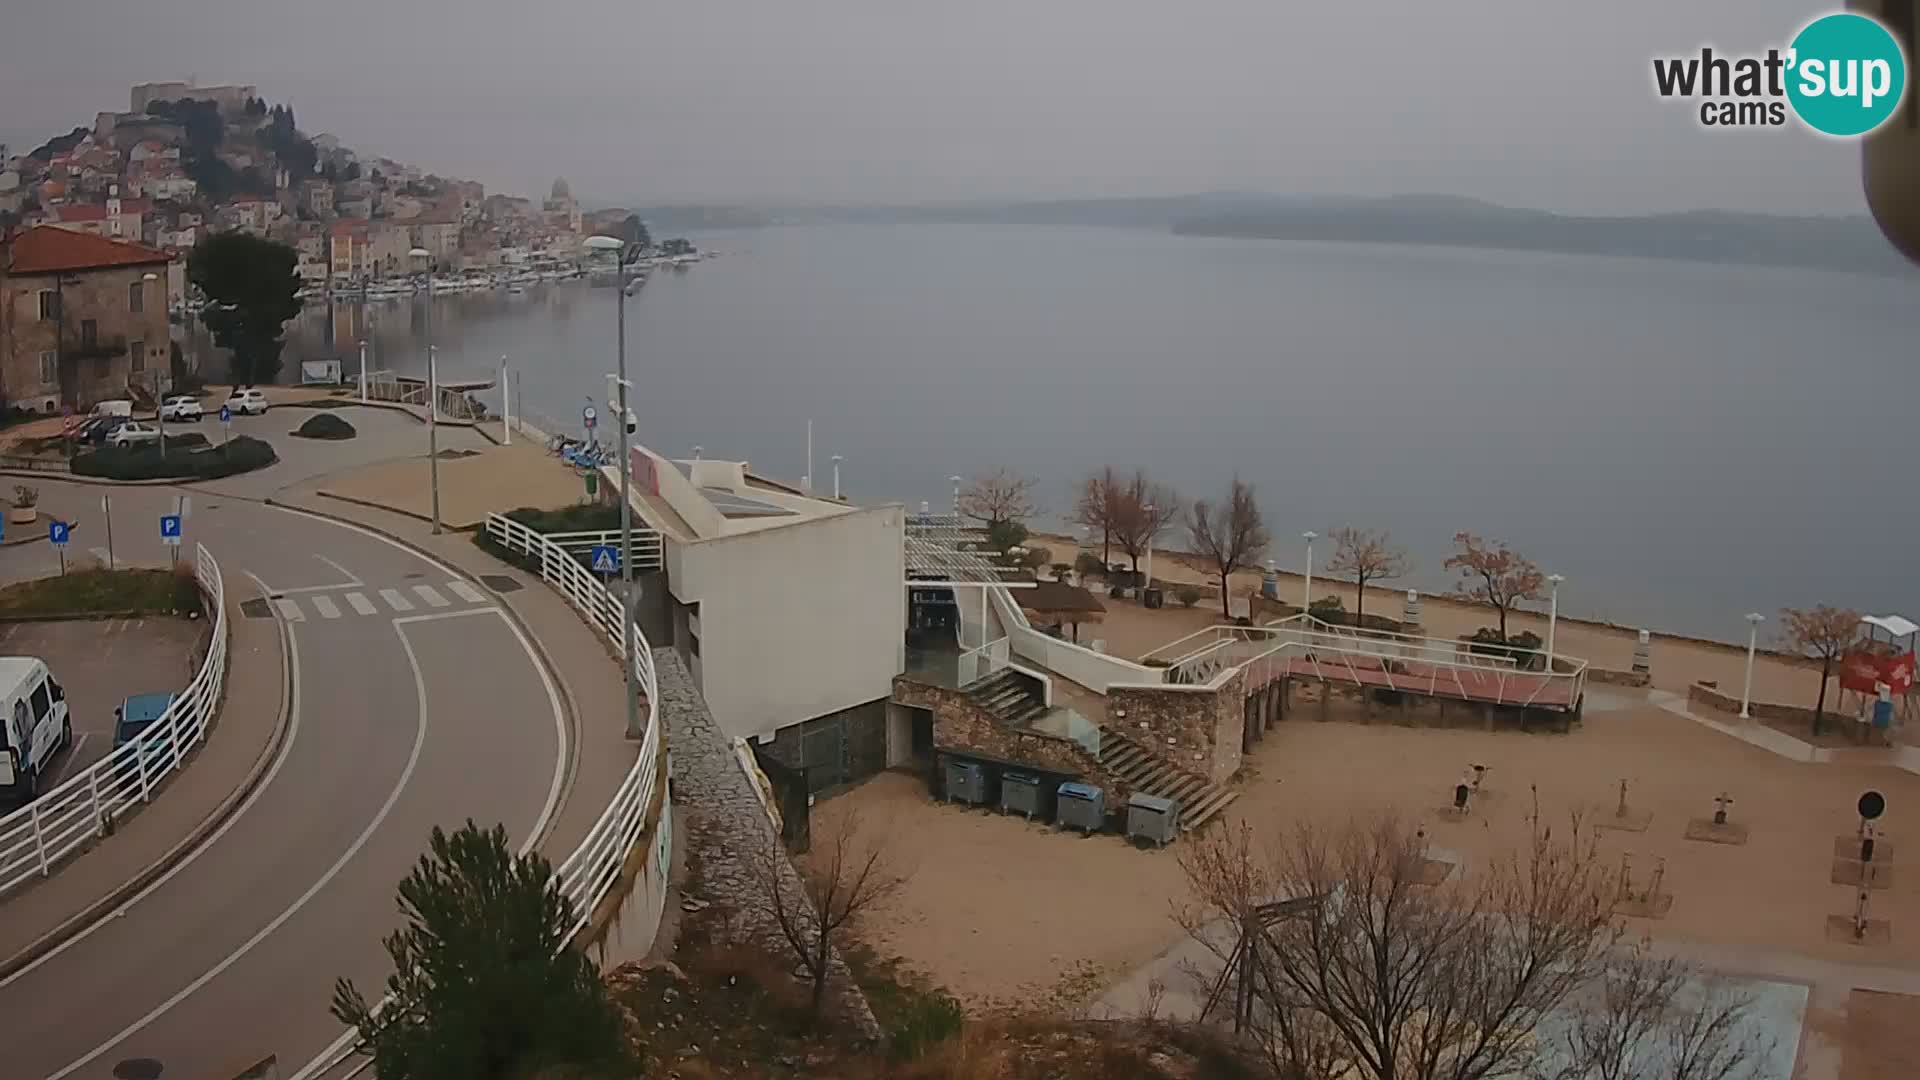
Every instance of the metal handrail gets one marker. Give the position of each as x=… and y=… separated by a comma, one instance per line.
x=84, y=807
x=587, y=875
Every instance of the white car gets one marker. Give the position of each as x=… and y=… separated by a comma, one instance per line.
x=133, y=433
x=180, y=408
x=248, y=402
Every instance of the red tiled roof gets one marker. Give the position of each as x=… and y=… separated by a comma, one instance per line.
x=49, y=249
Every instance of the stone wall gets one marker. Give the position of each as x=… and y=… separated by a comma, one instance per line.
x=961, y=724
x=1712, y=698
x=1605, y=677
x=1199, y=730
x=726, y=824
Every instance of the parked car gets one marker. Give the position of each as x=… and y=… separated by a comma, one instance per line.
x=251, y=401
x=133, y=433
x=34, y=725
x=134, y=716
x=100, y=429
x=182, y=407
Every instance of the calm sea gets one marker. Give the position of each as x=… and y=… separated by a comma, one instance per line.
x=1684, y=442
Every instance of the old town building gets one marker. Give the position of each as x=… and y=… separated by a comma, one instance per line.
x=81, y=318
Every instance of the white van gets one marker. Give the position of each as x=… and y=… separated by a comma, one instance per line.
x=119, y=407
x=35, y=725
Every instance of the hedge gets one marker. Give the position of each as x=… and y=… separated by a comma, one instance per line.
x=240, y=454
x=325, y=426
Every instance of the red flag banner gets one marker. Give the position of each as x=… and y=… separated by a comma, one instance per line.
x=1864, y=671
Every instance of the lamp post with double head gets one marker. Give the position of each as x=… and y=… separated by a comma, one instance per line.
x=1306, y=585
x=1754, y=619
x=424, y=259
x=618, y=248
x=1553, y=614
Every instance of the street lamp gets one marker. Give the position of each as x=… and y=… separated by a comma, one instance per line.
x=618, y=248
x=363, y=371
x=1146, y=515
x=837, y=459
x=160, y=414
x=424, y=258
x=506, y=406
x=1306, y=587
x=956, y=497
x=1754, y=619
x=1553, y=614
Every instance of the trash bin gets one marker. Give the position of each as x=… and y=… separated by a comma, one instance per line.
x=1150, y=817
x=1081, y=806
x=1021, y=793
x=967, y=782
x=1156, y=598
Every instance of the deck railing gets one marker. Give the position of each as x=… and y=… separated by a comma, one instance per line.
x=84, y=807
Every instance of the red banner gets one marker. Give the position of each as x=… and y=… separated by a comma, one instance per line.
x=1864, y=671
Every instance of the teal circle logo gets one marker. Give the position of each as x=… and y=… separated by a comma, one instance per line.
x=1847, y=74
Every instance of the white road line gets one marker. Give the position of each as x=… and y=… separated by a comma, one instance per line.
x=431, y=596
x=466, y=592
x=439, y=615
x=324, y=604
x=289, y=610
x=395, y=600
x=290, y=656
x=344, y=572
x=321, y=588
x=360, y=604
x=406, y=775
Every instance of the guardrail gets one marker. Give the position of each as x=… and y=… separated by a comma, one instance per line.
x=979, y=662
x=84, y=806
x=647, y=550
x=586, y=876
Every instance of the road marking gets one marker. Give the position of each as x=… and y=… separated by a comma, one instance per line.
x=325, y=606
x=335, y=1054
x=344, y=572
x=289, y=610
x=466, y=592
x=290, y=656
x=406, y=775
x=431, y=596
x=360, y=604
x=439, y=615
x=321, y=588
x=395, y=600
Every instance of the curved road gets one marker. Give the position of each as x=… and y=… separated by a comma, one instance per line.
x=416, y=703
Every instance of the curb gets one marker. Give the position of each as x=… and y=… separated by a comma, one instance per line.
x=567, y=702
x=93, y=912
x=371, y=505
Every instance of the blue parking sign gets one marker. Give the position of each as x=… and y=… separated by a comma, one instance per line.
x=57, y=532
x=605, y=559
x=226, y=414
x=170, y=529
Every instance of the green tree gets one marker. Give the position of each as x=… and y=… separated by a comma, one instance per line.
x=249, y=283
x=484, y=984
x=634, y=232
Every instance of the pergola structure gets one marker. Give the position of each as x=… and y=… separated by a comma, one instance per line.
x=941, y=554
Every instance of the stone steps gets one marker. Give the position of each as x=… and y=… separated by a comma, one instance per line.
x=1200, y=800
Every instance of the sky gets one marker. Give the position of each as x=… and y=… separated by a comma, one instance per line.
x=1543, y=103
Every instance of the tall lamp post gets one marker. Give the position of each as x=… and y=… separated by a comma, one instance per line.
x=1146, y=515
x=1306, y=586
x=424, y=258
x=160, y=394
x=619, y=250
x=1553, y=614
x=837, y=459
x=956, y=497
x=363, y=371
x=1754, y=619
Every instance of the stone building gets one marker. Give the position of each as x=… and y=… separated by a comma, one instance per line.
x=81, y=318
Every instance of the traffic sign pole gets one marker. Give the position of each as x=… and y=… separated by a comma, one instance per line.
x=106, y=511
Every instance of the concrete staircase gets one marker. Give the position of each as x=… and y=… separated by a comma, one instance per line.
x=1011, y=697
x=1199, y=799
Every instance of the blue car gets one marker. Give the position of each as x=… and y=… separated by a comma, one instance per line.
x=134, y=716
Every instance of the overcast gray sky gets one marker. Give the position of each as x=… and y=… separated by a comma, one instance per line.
x=1531, y=102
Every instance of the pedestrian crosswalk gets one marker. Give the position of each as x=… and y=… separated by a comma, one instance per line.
x=324, y=605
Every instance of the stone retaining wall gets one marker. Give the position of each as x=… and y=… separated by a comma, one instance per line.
x=1712, y=698
x=963, y=725
x=727, y=824
x=1199, y=730
x=1619, y=678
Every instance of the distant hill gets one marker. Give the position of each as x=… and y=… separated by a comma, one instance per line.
x=1828, y=243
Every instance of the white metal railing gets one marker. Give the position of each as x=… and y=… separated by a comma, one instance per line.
x=647, y=550
x=982, y=661
x=1394, y=661
x=1095, y=671
x=587, y=875
x=84, y=806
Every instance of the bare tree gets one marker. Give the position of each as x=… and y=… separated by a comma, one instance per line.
x=844, y=876
x=1093, y=506
x=1365, y=555
x=1142, y=510
x=1651, y=1017
x=998, y=498
x=1825, y=634
x=1230, y=536
x=1374, y=972
x=1492, y=574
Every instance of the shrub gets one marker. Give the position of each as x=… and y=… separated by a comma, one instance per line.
x=1006, y=534
x=1061, y=570
x=1087, y=564
x=1188, y=595
x=1328, y=609
x=1036, y=557
x=1522, y=647
x=325, y=426
x=240, y=454
x=923, y=1021
x=25, y=495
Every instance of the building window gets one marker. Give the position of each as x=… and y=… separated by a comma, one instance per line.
x=137, y=297
x=49, y=305
x=137, y=355
x=89, y=333
x=49, y=369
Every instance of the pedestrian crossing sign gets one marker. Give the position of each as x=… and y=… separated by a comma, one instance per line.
x=605, y=560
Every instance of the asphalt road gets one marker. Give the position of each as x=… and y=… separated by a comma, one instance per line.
x=416, y=703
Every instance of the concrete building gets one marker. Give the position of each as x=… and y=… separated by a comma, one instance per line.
x=117, y=218
x=81, y=316
x=438, y=235
x=317, y=197
x=789, y=609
